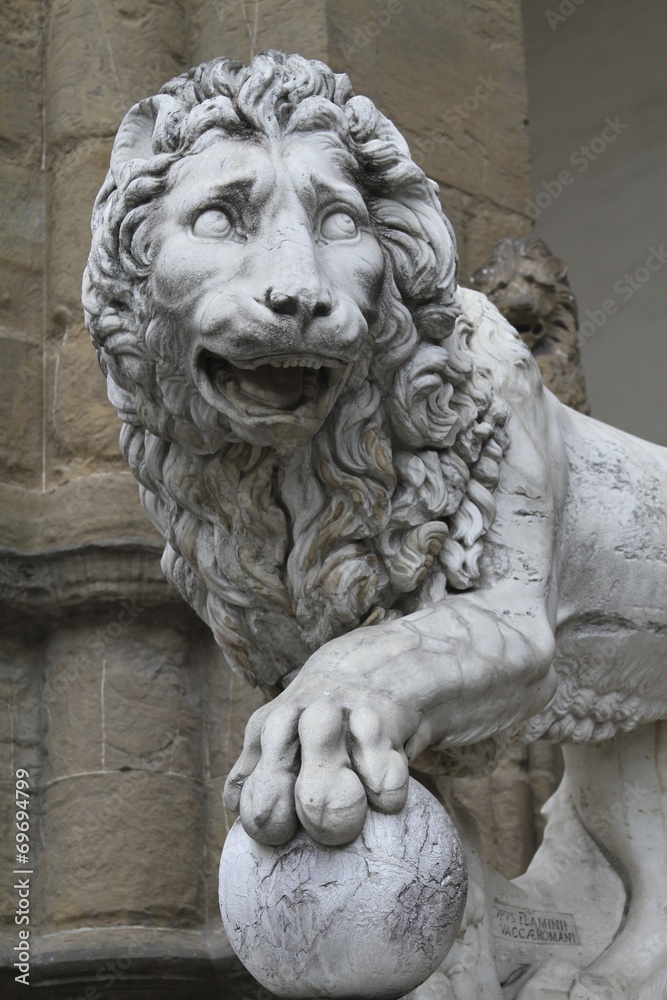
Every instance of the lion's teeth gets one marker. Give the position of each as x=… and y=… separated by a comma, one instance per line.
x=296, y=363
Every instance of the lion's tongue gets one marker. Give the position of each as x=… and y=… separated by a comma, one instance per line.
x=278, y=387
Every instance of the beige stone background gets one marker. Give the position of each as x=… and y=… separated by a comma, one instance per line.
x=111, y=693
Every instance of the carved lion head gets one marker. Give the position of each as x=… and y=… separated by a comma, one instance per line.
x=530, y=287
x=272, y=293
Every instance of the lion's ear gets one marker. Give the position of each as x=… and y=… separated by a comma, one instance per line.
x=149, y=127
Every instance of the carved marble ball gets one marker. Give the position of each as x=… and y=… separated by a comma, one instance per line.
x=373, y=918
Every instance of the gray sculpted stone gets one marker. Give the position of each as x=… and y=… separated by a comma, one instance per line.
x=388, y=523
x=380, y=913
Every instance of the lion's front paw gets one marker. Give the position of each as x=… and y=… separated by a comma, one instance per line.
x=318, y=757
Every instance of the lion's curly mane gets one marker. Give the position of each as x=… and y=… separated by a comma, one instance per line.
x=387, y=505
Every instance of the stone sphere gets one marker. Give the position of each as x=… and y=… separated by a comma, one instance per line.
x=373, y=918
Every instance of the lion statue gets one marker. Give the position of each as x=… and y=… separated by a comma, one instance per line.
x=529, y=286
x=389, y=524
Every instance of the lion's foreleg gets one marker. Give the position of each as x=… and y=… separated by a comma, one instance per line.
x=370, y=701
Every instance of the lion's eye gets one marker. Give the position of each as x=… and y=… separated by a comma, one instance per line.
x=212, y=223
x=338, y=226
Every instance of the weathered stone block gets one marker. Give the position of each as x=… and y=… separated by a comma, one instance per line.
x=21, y=411
x=127, y=48
x=125, y=849
x=82, y=513
x=21, y=216
x=20, y=747
x=21, y=247
x=74, y=180
x=461, y=103
x=72, y=695
x=82, y=435
x=122, y=695
x=239, y=30
x=21, y=79
x=152, y=697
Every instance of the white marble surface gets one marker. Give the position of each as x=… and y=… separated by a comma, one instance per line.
x=371, y=919
x=367, y=493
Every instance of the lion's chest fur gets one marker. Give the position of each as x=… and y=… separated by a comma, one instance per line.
x=276, y=553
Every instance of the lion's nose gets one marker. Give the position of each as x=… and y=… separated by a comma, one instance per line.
x=303, y=302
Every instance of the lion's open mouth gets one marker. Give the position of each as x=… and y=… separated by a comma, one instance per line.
x=282, y=383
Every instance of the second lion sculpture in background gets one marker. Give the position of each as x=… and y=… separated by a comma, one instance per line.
x=528, y=284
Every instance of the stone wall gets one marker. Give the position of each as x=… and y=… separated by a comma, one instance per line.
x=112, y=694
